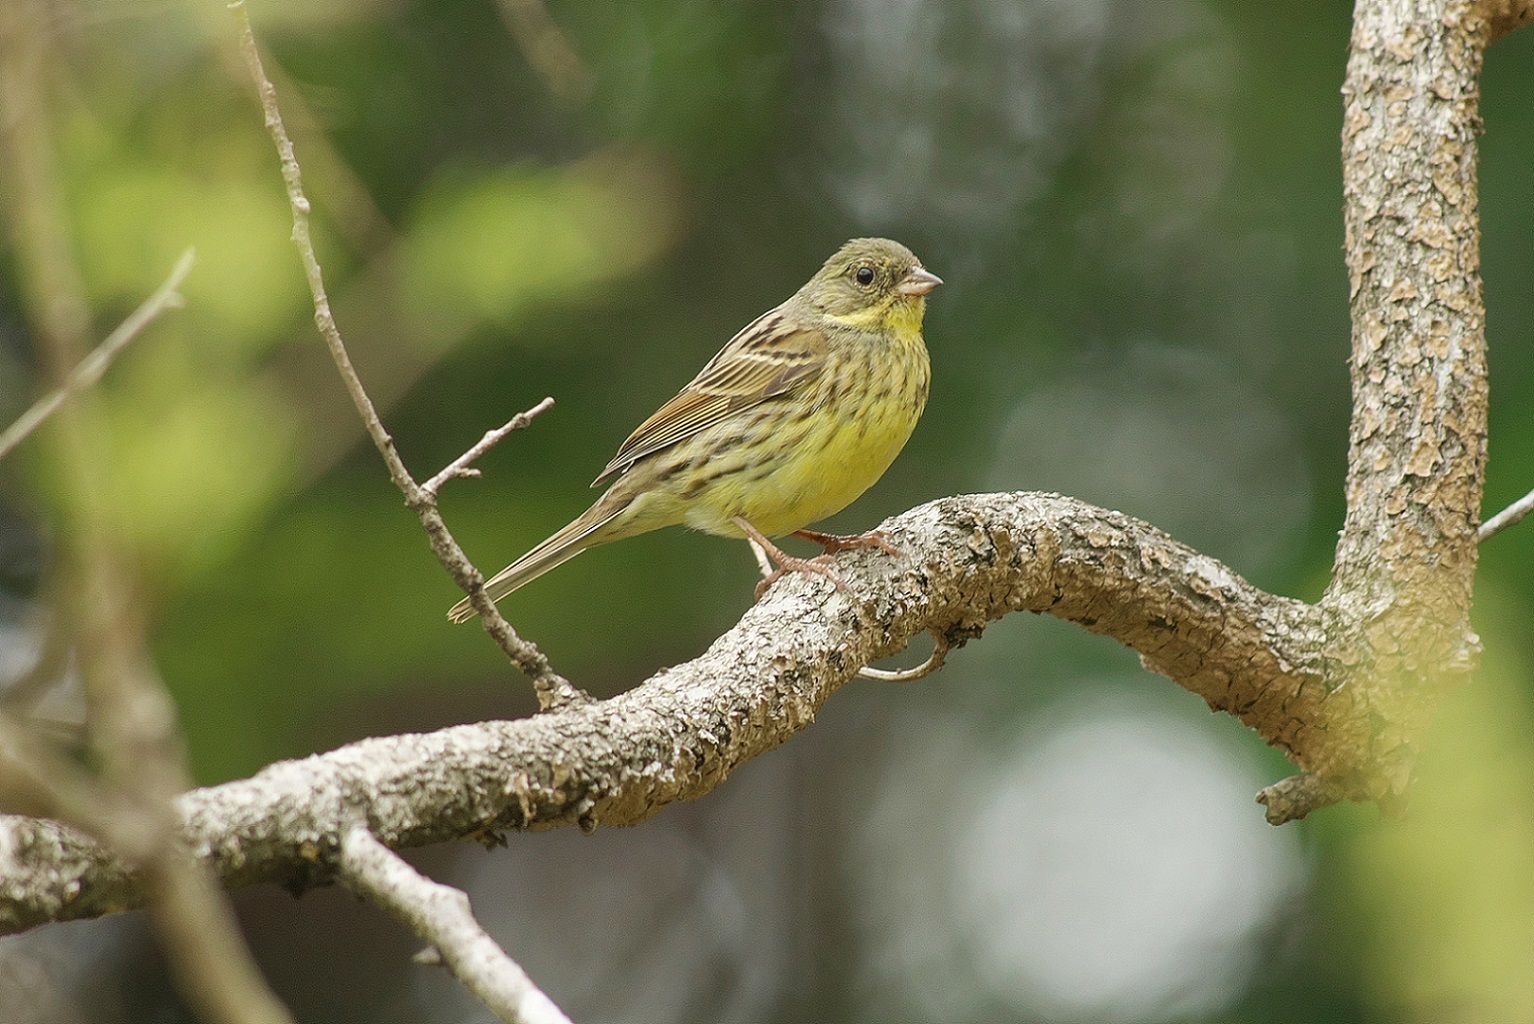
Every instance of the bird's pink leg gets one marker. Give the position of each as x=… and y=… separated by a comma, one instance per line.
x=821, y=565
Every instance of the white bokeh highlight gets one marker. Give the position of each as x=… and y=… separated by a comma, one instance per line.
x=1106, y=863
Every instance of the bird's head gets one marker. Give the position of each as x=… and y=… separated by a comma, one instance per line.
x=871, y=283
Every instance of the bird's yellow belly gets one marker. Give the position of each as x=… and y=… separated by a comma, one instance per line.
x=834, y=460
x=813, y=484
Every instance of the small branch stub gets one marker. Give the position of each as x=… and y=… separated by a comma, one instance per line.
x=906, y=675
x=1507, y=518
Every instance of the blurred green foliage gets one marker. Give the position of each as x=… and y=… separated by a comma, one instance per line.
x=1145, y=306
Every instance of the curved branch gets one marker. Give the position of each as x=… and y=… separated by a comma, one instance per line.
x=970, y=560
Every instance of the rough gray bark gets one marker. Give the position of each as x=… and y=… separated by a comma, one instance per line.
x=1398, y=608
x=970, y=561
x=1345, y=687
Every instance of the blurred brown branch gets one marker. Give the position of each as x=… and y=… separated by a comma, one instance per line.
x=547, y=50
x=1505, y=16
x=90, y=369
x=131, y=724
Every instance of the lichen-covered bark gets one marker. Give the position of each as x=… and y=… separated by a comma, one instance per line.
x=970, y=560
x=1398, y=609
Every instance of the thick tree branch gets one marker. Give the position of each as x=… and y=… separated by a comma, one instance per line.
x=971, y=560
x=1398, y=608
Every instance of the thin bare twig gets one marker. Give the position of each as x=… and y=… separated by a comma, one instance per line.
x=134, y=729
x=441, y=915
x=91, y=368
x=459, y=467
x=553, y=689
x=1510, y=516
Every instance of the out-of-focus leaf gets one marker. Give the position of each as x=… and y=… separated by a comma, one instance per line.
x=487, y=247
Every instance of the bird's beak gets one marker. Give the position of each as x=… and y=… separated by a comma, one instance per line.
x=918, y=282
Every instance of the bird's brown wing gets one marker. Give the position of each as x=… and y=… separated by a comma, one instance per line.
x=768, y=357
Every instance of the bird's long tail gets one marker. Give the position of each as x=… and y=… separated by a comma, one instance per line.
x=588, y=530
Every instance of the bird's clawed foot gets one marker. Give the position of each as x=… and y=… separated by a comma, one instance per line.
x=767, y=553
x=834, y=542
x=821, y=565
x=775, y=562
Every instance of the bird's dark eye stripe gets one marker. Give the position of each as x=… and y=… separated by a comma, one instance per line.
x=865, y=275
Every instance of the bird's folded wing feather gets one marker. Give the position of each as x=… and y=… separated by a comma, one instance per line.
x=768, y=357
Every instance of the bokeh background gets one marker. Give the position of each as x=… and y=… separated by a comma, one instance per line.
x=1136, y=207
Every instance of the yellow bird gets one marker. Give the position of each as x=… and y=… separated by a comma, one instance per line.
x=799, y=414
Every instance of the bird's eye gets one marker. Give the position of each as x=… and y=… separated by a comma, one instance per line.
x=865, y=275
